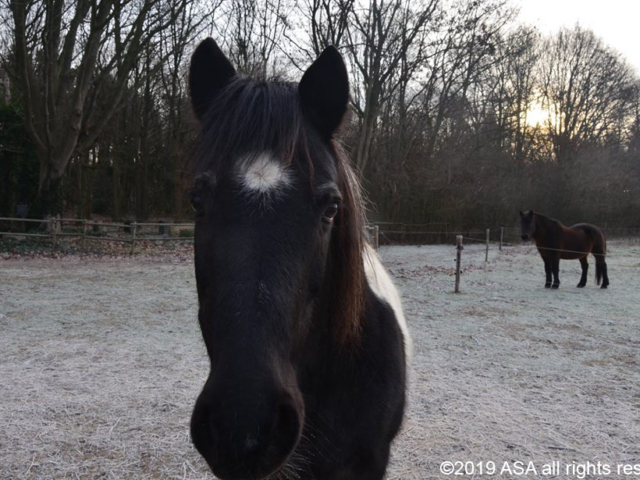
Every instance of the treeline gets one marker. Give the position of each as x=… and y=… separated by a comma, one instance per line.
x=460, y=114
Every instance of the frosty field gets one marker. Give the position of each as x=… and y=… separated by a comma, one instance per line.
x=101, y=361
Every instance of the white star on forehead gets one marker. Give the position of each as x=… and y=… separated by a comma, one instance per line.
x=263, y=174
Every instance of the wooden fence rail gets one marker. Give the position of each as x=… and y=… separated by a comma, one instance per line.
x=53, y=227
x=136, y=232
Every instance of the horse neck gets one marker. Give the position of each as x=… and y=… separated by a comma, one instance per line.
x=544, y=224
x=320, y=350
x=541, y=223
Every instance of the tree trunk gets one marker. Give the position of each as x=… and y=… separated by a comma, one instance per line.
x=178, y=193
x=367, y=129
x=49, y=200
x=116, y=190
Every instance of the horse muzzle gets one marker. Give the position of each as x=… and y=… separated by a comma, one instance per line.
x=246, y=435
x=525, y=237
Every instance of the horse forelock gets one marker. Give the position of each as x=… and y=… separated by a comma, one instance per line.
x=247, y=120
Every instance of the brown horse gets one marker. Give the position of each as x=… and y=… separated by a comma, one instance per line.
x=555, y=241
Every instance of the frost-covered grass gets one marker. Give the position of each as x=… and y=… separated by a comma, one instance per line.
x=101, y=361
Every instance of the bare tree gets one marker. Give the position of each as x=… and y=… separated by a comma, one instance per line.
x=65, y=53
x=174, y=45
x=383, y=34
x=443, y=93
x=586, y=88
x=458, y=60
x=508, y=92
x=252, y=31
x=326, y=21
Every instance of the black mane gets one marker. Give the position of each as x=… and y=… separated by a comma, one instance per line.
x=548, y=220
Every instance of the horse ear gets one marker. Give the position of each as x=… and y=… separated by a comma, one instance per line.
x=521, y=213
x=324, y=91
x=210, y=72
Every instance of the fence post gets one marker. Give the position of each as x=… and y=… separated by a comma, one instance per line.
x=501, y=237
x=486, y=255
x=133, y=239
x=84, y=236
x=54, y=231
x=376, y=237
x=458, y=258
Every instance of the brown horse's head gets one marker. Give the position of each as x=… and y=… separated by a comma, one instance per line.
x=527, y=225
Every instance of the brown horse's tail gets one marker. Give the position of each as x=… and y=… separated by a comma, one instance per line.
x=599, y=251
x=598, y=273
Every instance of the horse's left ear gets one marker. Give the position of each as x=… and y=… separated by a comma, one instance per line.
x=324, y=91
x=210, y=71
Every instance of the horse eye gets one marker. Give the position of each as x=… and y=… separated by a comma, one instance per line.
x=196, y=203
x=330, y=213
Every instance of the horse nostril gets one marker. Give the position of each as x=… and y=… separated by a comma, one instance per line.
x=287, y=419
x=286, y=425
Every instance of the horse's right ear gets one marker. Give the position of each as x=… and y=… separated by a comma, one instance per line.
x=324, y=91
x=521, y=213
x=210, y=72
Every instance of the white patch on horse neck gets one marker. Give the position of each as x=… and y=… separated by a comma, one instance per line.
x=380, y=282
x=263, y=174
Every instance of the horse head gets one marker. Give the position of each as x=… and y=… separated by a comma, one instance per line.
x=277, y=245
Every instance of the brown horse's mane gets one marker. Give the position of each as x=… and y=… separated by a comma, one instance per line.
x=347, y=253
x=547, y=220
x=253, y=116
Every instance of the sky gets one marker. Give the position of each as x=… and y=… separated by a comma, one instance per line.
x=617, y=22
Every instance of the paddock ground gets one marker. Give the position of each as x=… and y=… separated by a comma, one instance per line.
x=101, y=360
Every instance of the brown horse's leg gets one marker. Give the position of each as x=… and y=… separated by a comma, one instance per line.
x=605, y=275
x=555, y=269
x=601, y=271
x=585, y=268
x=547, y=271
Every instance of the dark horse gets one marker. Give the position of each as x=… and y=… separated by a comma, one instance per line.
x=303, y=327
x=555, y=241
